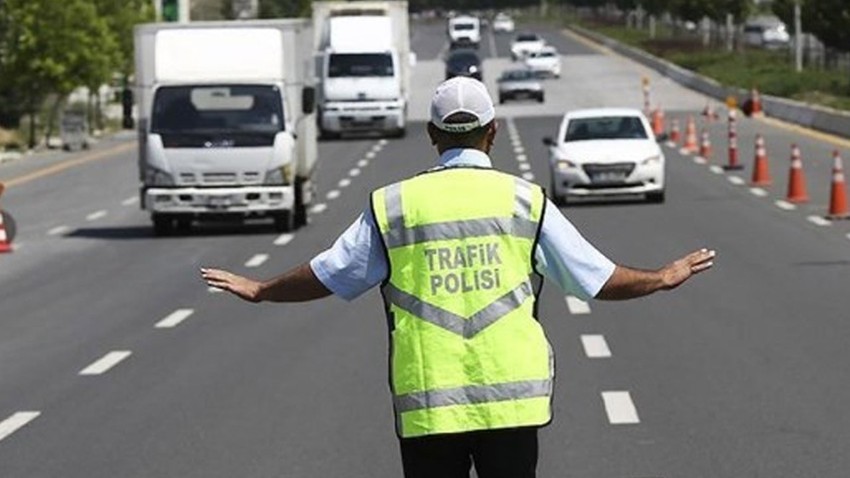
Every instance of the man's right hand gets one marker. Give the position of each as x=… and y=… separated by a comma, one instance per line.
x=242, y=287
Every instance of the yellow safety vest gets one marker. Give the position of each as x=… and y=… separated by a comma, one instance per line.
x=467, y=352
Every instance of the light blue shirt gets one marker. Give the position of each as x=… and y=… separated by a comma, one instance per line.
x=356, y=261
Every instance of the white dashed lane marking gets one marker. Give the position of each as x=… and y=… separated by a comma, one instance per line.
x=382, y=142
x=130, y=201
x=319, y=208
x=819, y=221
x=103, y=364
x=595, y=346
x=333, y=194
x=528, y=176
x=15, y=422
x=354, y=172
x=716, y=169
x=758, y=192
x=736, y=180
x=96, y=215
x=214, y=290
x=620, y=408
x=785, y=205
x=58, y=230
x=362, y=163
x=174, y=319
x=521, y=158
x=344, y=182
x=257, y=260
x=577, y=306
x=284, y=239
x=524, y=167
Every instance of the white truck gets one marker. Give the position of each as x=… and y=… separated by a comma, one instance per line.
x=364, y=62
x=226, y=125
x=464, y=31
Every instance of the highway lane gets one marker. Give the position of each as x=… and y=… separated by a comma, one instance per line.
x=733, y=374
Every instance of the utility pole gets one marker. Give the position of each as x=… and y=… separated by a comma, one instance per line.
x=798, y=37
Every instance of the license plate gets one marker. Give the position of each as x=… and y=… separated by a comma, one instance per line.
x=608, y=177
x=219, y=201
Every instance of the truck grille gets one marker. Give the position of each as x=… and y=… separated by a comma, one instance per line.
x=219, y=178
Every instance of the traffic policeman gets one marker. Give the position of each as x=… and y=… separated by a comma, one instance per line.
x=460, y=252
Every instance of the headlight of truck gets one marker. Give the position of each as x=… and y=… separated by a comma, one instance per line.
x=651, y=160
x=563, y=164
x=158, y=177
x=279, y=176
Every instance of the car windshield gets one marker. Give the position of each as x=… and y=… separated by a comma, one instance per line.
x=211, y=109
x=463, y=58
x=514, y=75
x=342, y=65
x=525, y=38
x=463, y=26
x=607, y=127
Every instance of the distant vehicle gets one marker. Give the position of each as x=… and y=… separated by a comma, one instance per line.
x=526, y=43
x=545, y=62
x=464, y=32
x=503, y=23
x=74, y=130
x=518, y=84
x=766, y=33
x=603, y=152
x=463, y=62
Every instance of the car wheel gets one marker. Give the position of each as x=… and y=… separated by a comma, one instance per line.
x=656, y=197
x=501, y=99
x=557, y=199
x=540, y=98
x=162, y=225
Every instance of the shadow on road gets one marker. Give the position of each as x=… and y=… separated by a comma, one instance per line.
x=146, y=232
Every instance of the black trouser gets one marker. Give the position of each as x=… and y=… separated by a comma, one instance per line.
x=508, y=453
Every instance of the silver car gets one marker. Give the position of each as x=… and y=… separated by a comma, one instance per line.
x=520, y=83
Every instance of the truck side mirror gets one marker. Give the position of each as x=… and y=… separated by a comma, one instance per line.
x=308, y=99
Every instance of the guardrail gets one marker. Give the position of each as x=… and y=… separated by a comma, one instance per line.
x=816, y=117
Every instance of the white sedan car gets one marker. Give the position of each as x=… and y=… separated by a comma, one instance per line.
x=503, y=23
x=547, y=61
x=605, y=152
x=524, y=44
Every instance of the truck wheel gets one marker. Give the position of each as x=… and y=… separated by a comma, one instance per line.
x=284, y=221
x=162, y=225
x=300, y=208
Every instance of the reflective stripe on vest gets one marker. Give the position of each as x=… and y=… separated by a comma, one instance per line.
x=467, y=352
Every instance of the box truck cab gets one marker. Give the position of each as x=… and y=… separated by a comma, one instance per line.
x=464, y=31
x=225, y=128
x=364, y=64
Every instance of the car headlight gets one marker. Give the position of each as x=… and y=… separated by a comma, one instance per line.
x=158, y=177
x=279, y=176
x=564, y=164
x=651, y=160
x=473, y=69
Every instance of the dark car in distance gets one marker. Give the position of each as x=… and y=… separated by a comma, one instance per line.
x=463, y=62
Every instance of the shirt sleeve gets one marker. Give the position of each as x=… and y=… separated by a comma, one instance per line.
x=355, y=262
x=567, y=258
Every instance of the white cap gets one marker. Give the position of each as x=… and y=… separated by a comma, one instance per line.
x=461, y=94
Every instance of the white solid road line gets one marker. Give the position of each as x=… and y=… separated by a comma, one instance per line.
x=595, y=346
x=96, y=215
x=819, y=221
x=15, y=422
x=620, y=408
x=257, y=260
x=785, y=205
x=103, y=364
x=58, y=230
x=130, y=201
x=319, y=208
x=333, y=194
x=173, y=319
x=577, y=306
x=284, y=239
x=758, y=192
x=736, y=180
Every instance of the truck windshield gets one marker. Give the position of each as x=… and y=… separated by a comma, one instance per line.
x=360, y=65
x=235, y=115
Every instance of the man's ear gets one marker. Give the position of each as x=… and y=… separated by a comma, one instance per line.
x=432, y=133
x=491, y=133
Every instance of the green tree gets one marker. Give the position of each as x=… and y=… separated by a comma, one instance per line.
x=52, y=47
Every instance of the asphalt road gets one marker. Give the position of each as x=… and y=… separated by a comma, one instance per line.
x=737, y=373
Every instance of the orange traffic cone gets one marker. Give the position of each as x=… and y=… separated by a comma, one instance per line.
x=733, y=143
x=5, y=240
x=838, y=194
x=761, y=171
x=709, y=113
x=658, y=122
x=690, y=145
x=755, y=99
x=705, y=146
x=675, y=134
x=796, y=179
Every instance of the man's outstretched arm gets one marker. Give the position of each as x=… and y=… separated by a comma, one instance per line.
x=297, y=285
x=628, y=283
